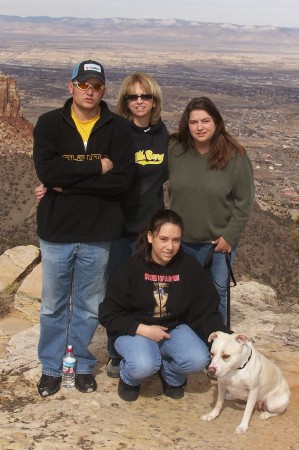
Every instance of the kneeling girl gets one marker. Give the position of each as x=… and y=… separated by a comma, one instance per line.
x=159, y=309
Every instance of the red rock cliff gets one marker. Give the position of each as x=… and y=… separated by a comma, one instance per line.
x=9, y=97
x=15, y=131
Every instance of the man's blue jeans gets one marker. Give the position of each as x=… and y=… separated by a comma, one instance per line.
x=219, y=270
x=184, y=353
x=73, y=286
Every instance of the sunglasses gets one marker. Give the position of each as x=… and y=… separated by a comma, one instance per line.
x=135, y=97
x=85, y=86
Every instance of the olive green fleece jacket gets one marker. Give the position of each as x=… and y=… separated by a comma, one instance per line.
x=212, y=203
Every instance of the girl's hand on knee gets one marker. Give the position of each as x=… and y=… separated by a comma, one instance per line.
x=154, y=332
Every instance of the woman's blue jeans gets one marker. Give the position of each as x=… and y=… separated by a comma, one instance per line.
x=121, y=249
x=219, y=271
x=73, y=286
x=176, y=357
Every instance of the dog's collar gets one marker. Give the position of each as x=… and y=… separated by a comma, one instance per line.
x=245, y=364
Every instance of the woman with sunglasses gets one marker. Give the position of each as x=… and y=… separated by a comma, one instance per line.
x=211, y=186
x=160, y=308
x=140, y=101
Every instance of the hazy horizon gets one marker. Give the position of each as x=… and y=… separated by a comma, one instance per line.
x=245, y=12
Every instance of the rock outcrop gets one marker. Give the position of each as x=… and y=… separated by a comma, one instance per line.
x=9, y=97
x=15, y=131
x=71, y=420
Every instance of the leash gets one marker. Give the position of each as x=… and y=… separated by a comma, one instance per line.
x=207, y=266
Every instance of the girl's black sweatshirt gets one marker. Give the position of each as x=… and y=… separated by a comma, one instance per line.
x=181, y=292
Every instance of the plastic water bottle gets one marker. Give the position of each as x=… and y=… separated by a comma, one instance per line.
x=68, y=368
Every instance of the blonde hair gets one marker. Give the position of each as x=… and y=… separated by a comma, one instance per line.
x=149, y=85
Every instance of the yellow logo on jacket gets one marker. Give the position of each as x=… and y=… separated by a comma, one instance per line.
x=145, y=157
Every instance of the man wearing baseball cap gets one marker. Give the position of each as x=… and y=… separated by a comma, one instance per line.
x=87, y=69
x=84, y=156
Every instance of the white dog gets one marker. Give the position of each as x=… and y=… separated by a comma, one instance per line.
x=245, y=374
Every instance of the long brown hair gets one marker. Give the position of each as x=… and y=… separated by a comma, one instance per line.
x=143, y=247
x=149, y=85
x=223, y=144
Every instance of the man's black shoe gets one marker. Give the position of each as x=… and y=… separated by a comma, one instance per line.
x=175, y=392
x=127, y=392
x=48, y=385
x=85, y=382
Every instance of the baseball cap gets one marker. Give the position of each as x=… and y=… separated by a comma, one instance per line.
x=88, y=69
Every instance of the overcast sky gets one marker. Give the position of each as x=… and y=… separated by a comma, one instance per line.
x=282, y=13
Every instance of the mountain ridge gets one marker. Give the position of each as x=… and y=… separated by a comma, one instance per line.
x=144, y=21
x=150, y=31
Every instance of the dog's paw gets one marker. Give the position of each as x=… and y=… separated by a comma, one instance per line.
x=266, y=415
x=241, y=429
x=208, y=417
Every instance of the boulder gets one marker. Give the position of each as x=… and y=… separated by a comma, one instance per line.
x=28, y=296
x=15, y=262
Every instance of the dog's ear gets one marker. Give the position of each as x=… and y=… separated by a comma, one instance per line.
x=213, y=336
x=242, y=338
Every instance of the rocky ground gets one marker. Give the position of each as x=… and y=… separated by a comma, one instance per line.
x=71, y=420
